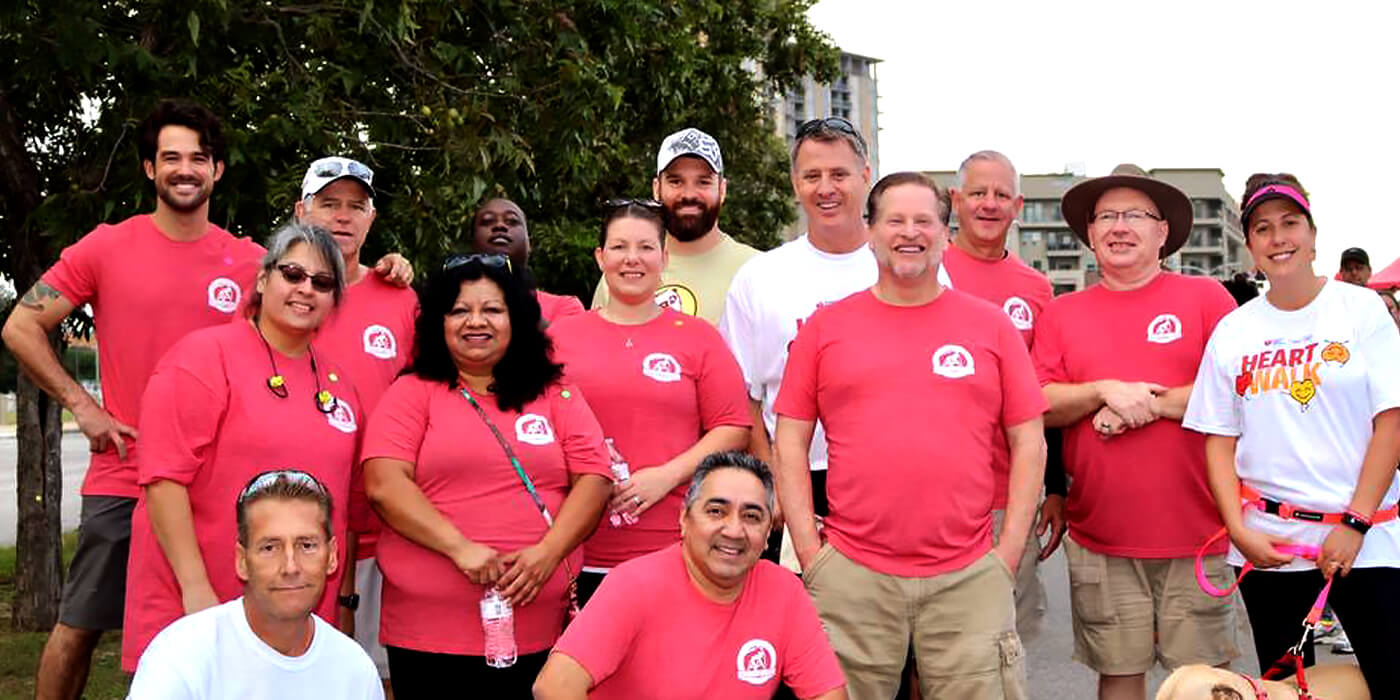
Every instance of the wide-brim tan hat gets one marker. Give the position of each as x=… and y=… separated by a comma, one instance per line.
x=1078, y=203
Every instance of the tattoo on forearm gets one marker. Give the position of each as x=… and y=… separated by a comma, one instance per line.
x=38, y=295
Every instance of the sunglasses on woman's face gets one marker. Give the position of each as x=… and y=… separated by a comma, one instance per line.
x=294, y=274
x=267, y=479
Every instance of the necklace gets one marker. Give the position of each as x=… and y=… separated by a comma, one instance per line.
x=623, y=329
x=277, y=384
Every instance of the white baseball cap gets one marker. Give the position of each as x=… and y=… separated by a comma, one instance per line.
x=690, y=142
x=327, y=170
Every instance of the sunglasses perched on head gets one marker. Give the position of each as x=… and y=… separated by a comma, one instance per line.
x=294, y=274
x=266, y=480
x=840, y=124
x=645, y=203
x=494, y=260
x=332, y=168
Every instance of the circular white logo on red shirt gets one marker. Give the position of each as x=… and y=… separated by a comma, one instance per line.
x=342, y=418
x=224, y=294
x=757, y=662
x=1164, y=329
x=533, y=429
x=953, y=362
x=662, y=367
x=1019, y=312
x=380, y=342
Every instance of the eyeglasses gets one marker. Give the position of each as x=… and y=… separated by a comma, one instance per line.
x=265, y=480
x=332, y=167
x=647, y=203
x=1134, y=217
x=494, y=260
x=295, y=274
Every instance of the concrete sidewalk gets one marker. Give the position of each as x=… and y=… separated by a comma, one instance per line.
x=7, y=432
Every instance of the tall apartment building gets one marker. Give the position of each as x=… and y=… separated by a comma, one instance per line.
x=853, y=95
x=1042, y=238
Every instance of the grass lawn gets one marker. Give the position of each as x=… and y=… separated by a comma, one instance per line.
x=19, y=651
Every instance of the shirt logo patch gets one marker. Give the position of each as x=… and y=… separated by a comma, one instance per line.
x=224, y=294
x=757, y=662
x=953, y=362
x=342, y=418
x=1019, y=312
x=677, y=297
x=1164, y=329
x=380, y=342
x=533, y=429
x=661, y=367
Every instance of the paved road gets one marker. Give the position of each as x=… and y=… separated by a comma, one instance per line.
x=75, y=459
x=1054, y=676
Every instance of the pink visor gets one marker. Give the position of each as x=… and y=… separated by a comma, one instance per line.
x=1275, y=191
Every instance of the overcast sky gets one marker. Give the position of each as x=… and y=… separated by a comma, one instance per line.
x=1303, y=87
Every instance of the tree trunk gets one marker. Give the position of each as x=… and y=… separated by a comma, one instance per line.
x=39, y=470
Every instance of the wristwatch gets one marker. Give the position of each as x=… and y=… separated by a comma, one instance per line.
x=350, y=602
x=1356, y=523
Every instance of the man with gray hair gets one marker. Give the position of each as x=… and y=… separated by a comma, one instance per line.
x=722, y=623
x=987, y=200
x=371, y=335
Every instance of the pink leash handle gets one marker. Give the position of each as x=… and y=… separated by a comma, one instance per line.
x=1306, y=551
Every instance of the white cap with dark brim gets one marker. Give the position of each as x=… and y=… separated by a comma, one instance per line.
x=327, y=170
x=690, y=142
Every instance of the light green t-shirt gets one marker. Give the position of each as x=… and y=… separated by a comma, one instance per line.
x=696, y=284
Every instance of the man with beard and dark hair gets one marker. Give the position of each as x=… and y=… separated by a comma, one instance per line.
x=499, y=226
x=690, y=185
x=150, y=280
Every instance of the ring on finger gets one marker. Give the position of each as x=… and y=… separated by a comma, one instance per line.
x=637, y=500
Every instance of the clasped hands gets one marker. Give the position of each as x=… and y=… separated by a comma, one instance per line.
x=1127, y=405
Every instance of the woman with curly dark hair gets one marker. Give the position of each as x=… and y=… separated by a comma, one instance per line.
x=489, y=471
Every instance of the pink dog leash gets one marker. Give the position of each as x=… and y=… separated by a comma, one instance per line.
x=1305, y=551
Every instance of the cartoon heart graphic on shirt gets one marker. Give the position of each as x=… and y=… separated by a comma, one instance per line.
x=1242, y=383
x=1303, y=391
x=1336, y=352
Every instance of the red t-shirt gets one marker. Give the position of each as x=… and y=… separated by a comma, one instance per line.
x=371, y=334
x=656, y=389
x=649, y=633
x=556, y=306
x=146, y=291
x=428, y=604
x=914, y=400
x=1022, y=292
x=1142, y=494
x=209, y=422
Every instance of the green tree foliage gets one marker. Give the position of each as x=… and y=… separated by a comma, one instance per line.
x=555, y=104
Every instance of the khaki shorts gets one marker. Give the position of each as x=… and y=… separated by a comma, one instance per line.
x=1130, y=614
x=962, y=624
x=1030, y=589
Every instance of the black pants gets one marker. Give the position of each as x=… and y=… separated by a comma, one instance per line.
x=422, y=674
x=588, y=582
x=1366, y=601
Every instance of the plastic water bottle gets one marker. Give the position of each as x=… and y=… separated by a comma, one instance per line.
x=498, y=620
x=621, y=473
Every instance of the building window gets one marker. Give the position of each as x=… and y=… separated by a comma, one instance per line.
x=1063, y=288
x=1041, y=211
x=1038, y=264
x=1030, y=236
x=1064, y=263
x=1061, y=240
x=1206, y=208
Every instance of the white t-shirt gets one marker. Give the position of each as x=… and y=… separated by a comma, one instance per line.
x=770, y=298
x=214, y=654
x=1299, y=389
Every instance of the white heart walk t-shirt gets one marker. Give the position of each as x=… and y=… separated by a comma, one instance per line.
x=1299, y=389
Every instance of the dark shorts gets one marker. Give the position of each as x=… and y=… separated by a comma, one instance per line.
x=95, y=593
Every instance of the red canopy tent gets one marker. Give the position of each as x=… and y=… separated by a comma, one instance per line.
x=1389, y=278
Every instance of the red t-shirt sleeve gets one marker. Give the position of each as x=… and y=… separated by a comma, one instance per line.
x=810, y=667
x=580, y=436
x=797, y=395
x=1047, y=354
x=601, y=637
x=1021, y=398
x=75, y=273
x=399, y=422
x=720, y=390
x=181, y=411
